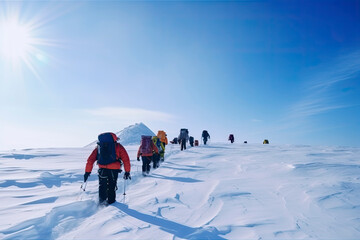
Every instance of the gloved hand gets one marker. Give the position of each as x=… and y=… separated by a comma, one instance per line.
x=127, y=175
x=138, y=159
x=86, y=175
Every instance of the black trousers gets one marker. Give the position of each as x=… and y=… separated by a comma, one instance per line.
x=156, y=160
x=108, y=184
x=183, y=144
x=146, y=160
x=205, y=140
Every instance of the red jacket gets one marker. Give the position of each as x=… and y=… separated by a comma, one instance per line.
x=153, y=148
x=120, y=154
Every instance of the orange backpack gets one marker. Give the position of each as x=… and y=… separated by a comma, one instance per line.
x=162, y=136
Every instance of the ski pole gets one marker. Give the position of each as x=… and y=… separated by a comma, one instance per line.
x=124, y=187
x=83, y=186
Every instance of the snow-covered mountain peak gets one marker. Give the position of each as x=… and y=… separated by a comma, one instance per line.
x=130, y=135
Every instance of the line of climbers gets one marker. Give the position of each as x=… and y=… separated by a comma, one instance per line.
x=111, y=156
x=152, y=149
x=184, y=137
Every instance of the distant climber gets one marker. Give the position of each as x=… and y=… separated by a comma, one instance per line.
x=231, y=138
x=191, y=141
x=174, y=141
x=146, y=150
x=205, y=136
x=183, y=138
x=163, y=137
x=157, y=157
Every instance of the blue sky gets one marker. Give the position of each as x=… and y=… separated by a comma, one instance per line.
x=287, y=71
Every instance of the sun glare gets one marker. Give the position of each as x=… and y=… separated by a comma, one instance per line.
x=15, y=40
x=22, y=46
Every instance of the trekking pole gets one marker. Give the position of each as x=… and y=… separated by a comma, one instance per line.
x=83, y=186
x=82, y=189
x=124, y=187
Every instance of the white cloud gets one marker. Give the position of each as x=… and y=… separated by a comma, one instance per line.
x=321, y=93
x=344, y=68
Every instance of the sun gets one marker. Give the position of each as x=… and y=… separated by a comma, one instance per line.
x=22, y=42
x=15, y=40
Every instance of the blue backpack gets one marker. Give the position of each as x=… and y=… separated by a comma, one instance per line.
x=106, y=149
x=158, y=145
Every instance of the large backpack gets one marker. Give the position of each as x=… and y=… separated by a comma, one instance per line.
x=184, y=133
x=106, y=149
x=146, y=145
x=158, y=145
x=205, y=134
x=162, y=136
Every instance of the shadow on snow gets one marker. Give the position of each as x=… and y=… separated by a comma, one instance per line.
x=177, y=229
x=46, y=178
x=28, y=156
x=178, y=179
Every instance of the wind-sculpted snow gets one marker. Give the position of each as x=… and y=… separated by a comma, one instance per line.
x=220, y=191
x=54, y=223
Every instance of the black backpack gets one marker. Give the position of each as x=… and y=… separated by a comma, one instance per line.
x=184, y=133
x=106, y=149
x=205, y=134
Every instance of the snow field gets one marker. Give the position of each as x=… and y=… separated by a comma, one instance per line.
x=220, y=191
